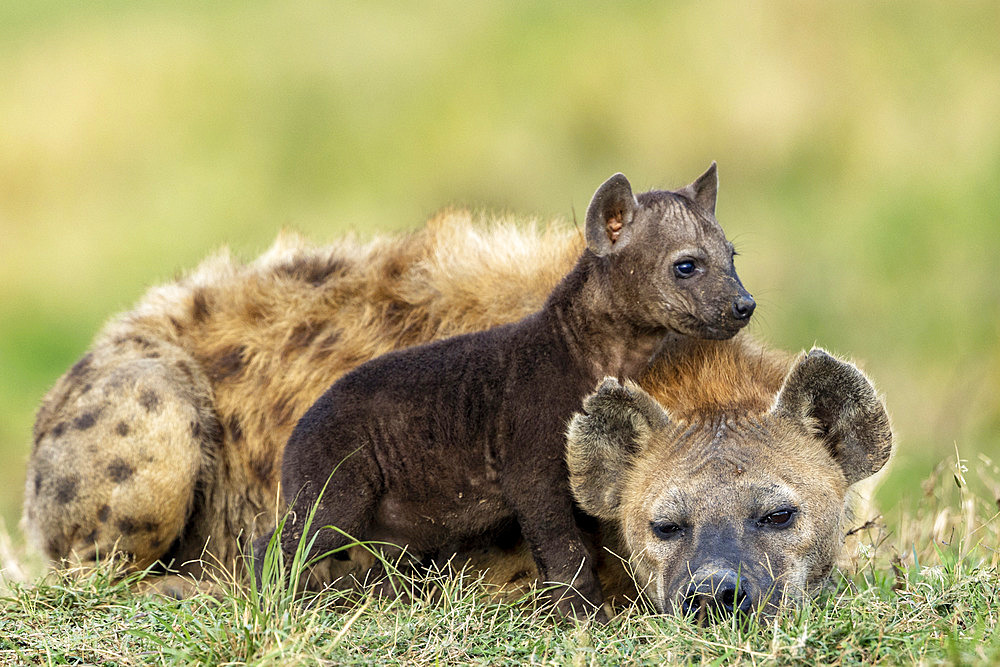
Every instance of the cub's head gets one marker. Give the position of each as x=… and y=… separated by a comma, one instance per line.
x=732, y=510
x=669, y=261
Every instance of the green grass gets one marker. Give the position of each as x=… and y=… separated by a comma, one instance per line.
x=924, y=591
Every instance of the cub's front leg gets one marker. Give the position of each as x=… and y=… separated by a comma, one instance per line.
x=535, y=484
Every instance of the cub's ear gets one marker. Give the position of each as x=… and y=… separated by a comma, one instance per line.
x=601, y=443
x=704, y=190
x=836, y=401
x=609, y=215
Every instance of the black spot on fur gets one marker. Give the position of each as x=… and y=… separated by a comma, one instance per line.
x=207, y=431
x=185, y=371
x=325, y=347
x=149, y=399
x=302, y=335
x=53, y=548
x=87, y=387
x=66, y=489
x=352, y=359
x=81, y=367
x=235, y=429
x=91, y=537
x=394, y=267
x=227, y=364
x=58, y=429
x=395, y=313
x=312, y=270
x=282, y=410
x=331, y=340
x=130, y=526
x=253, y=314
x=86, y=420
x=263, y=468
x=153, y=355
x=400, y=322
x=199, y=306
x=103, y=513
x=178, y=327
x=122, y=429
x=38, y=482
x=134, y=340
x=119, y=471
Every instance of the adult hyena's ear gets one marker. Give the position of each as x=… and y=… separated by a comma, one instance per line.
x=609, y=216
x=837, y=402
x=602, y=443
x=704, y=190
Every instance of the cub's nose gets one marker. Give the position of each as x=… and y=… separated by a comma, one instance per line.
x=743, y=307
x=720, y=592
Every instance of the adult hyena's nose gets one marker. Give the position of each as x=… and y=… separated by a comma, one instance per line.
x=717, y=593
x=743, y=306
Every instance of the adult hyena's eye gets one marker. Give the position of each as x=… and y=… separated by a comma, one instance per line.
x=779, y=519
x=665, y=530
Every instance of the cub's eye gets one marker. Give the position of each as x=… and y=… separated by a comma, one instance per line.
x=684, y=269
x=667, y=531
x=779, y=519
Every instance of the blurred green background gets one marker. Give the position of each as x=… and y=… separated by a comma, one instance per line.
x=858, y=146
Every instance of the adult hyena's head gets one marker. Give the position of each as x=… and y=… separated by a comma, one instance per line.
x=729, y=512
x=668, y=261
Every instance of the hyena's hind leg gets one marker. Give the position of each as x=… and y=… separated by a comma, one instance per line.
x=120, y=444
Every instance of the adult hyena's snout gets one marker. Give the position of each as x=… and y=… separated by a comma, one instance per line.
x=717, y=593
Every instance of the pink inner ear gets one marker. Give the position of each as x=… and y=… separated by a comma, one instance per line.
x=614, y=226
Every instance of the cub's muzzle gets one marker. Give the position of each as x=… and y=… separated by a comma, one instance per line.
x=743, y=307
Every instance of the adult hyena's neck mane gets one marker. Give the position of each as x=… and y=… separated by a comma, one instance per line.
x=694, y=378
x=600, y=333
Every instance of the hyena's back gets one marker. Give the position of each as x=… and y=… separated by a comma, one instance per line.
x=168, y=433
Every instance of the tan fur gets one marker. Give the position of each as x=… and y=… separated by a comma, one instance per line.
x=700, y=377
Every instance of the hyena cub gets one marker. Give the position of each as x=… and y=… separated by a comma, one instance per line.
x=432, y=445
